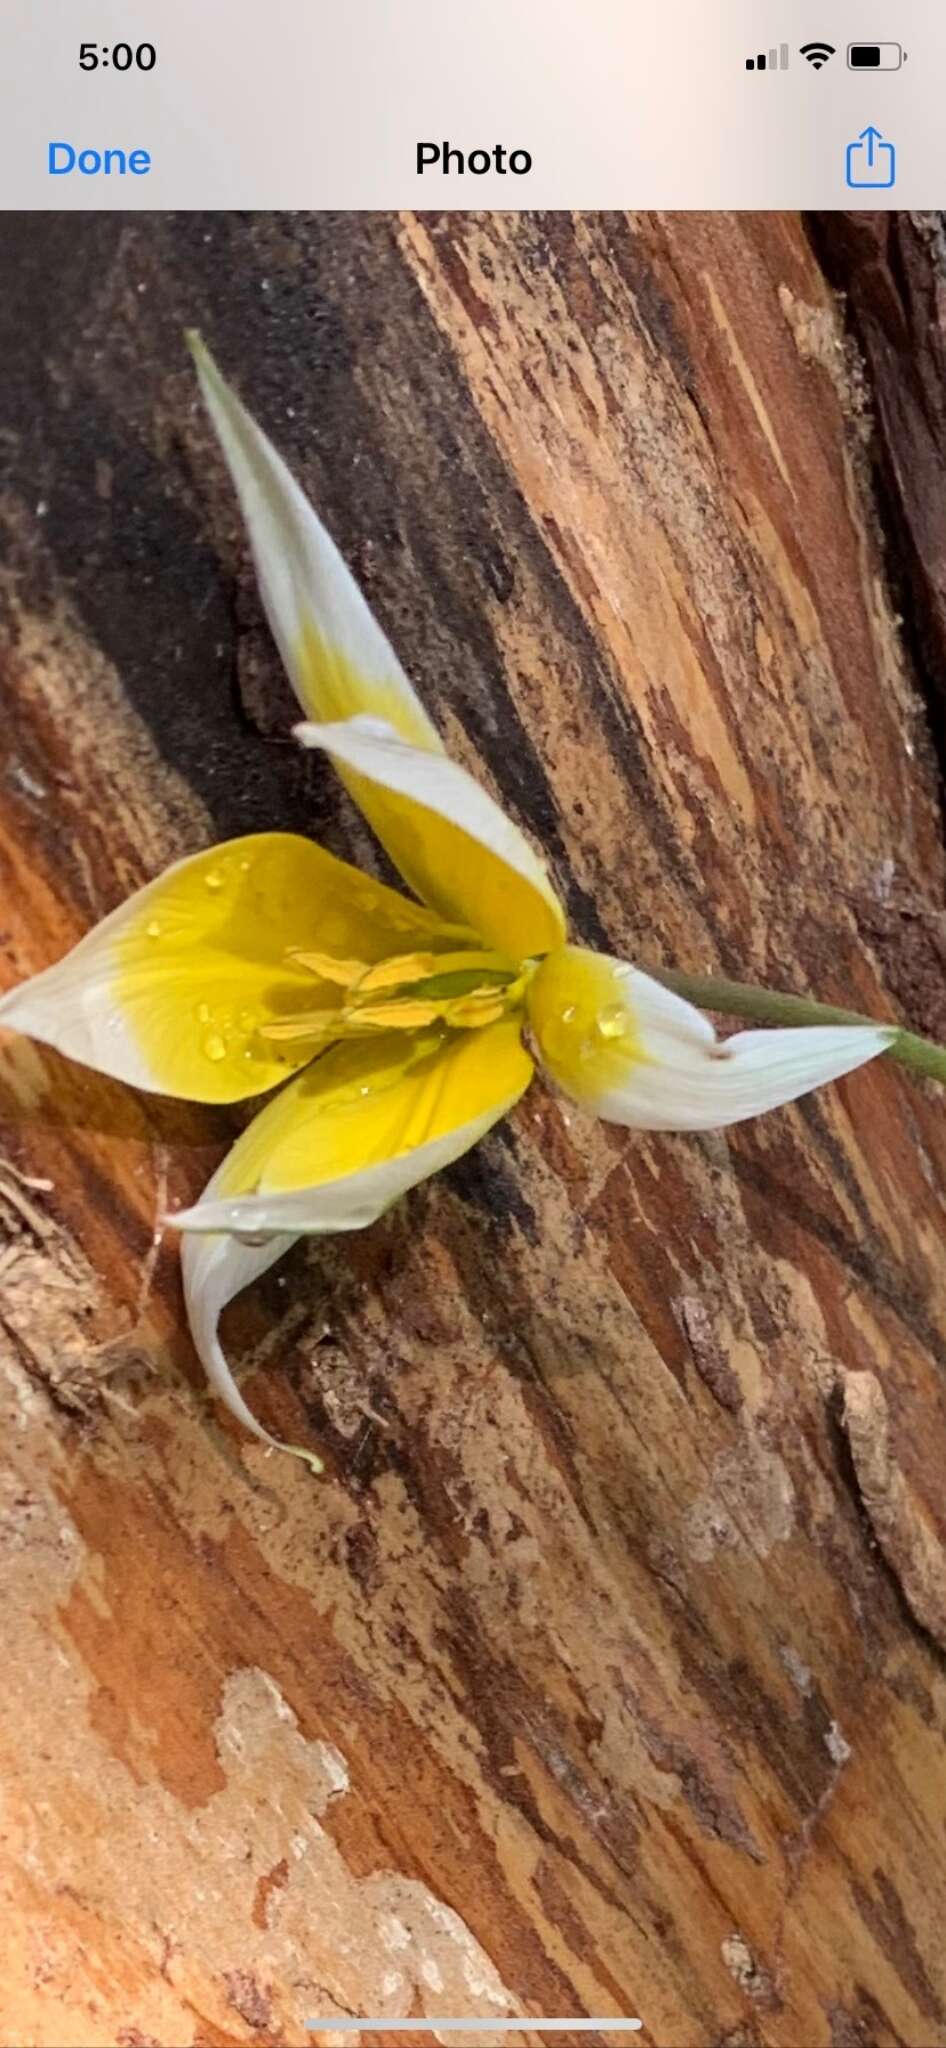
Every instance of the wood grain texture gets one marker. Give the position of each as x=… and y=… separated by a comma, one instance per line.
x=603, y=1672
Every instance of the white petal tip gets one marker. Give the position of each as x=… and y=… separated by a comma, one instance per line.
x=311, y=1458
x=363, y=726
x=198, y=1217
x=15, y=999
x=307, y=734
x=30, y=1015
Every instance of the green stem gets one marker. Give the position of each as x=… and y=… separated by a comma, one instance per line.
x=768, y=1006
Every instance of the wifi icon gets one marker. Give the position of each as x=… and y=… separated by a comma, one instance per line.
x=816, y=54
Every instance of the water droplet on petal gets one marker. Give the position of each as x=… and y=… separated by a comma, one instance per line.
x=203, y=1013
x=213, y=879
x=214, y=1046
x=568, y=1013
x=153, y=929
x=613, y=1021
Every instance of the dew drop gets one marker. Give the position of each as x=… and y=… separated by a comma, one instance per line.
x=153, y=929
x=245, y=866
x=214, y=1046
x=213, y=880
x=203, y=1013
x=568, y=1013
x=612, y=1021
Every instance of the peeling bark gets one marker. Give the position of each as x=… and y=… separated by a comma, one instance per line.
x=603, y=1670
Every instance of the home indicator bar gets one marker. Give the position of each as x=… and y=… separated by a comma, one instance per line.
x=347, y=2023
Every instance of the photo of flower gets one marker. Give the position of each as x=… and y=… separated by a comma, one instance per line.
x=472, y=1017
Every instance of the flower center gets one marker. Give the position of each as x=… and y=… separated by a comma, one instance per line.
x=405, y=992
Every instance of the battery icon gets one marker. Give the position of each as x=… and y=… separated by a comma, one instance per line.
x=875, y=56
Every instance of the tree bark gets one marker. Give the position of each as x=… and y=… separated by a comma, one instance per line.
x=603, y=1671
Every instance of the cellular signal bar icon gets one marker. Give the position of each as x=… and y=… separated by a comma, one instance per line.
x=777, y=60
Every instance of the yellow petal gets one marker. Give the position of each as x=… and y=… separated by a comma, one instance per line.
x=365, y=1122
x=446, y=836
x=170, y=991
x=338, y=660
x=637, y=1054
x=333, y=1151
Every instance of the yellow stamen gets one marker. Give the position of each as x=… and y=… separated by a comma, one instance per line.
x=304, y=1024
x=404, y=967
x=470, y=1012
x=405, y=1015
x=343, y=972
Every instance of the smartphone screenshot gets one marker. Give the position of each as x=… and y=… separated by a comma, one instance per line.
x=472, y=1024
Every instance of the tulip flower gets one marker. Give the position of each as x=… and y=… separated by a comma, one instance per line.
x=396, y=1028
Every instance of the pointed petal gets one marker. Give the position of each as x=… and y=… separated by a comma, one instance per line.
x=343, y=668
x=170, y=991
x=635, y=1053
x=359, y=1127
x=338, y=660
x=447, y=837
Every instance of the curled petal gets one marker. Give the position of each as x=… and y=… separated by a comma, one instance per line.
x=215, y=1269
x=635, y=1053
x=446, y=836
x=338, y=660
x=331, y=1153
x=171, y=992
